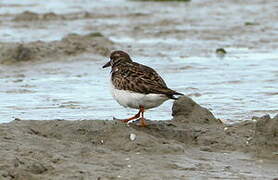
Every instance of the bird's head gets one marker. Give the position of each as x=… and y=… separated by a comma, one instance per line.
x=117, y=57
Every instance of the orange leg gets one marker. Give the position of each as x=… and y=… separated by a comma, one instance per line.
x=132, y=118
x=142, y=119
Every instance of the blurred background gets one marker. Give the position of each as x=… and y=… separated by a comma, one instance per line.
x=223, y=54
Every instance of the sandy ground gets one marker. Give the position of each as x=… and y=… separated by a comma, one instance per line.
x=194, y=145
x=177, y=39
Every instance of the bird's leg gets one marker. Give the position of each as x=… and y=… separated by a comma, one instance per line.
x=142, y=119
x=133, y=117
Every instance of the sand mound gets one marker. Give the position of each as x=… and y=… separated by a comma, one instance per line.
x=210, y=134
x=186, y=110
x=31, y=16
x=266, y=134
x=70, y=45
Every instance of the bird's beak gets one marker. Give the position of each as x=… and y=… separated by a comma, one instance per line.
x=106, y=65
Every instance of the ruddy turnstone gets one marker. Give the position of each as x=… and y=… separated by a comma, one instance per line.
x=136, y=86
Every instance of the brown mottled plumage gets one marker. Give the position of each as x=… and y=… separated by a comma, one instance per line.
x=142, y=83
x=132, y=76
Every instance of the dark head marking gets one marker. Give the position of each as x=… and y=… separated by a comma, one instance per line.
x=118, y=57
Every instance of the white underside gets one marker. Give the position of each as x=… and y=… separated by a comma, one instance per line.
x=135, y=100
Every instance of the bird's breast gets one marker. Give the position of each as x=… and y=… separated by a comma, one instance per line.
x=134, y=100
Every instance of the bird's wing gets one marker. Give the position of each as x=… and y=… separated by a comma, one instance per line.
x=141, y=79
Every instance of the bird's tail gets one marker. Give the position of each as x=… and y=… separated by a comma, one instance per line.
x=172, y=96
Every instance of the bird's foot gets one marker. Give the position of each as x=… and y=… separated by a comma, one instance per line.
x=143, y=122
x=129, y=119
x=123, y=120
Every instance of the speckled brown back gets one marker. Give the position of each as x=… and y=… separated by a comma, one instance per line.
x=139, y=78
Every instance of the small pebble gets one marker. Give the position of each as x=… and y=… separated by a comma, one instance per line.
x=225, y=128
x=220, y=52
x=132, y=137
x=205, y=148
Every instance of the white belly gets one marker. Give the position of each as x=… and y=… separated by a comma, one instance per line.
x=135, y=100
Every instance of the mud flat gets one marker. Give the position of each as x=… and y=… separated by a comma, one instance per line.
x=29, y=16
x=70, y=45
x=193, y=145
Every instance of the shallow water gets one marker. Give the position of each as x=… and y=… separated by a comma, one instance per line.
x=234, y=88
x=241, y=85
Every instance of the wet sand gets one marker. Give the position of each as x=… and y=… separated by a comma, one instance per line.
x=193, y=145
x=50, y=42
